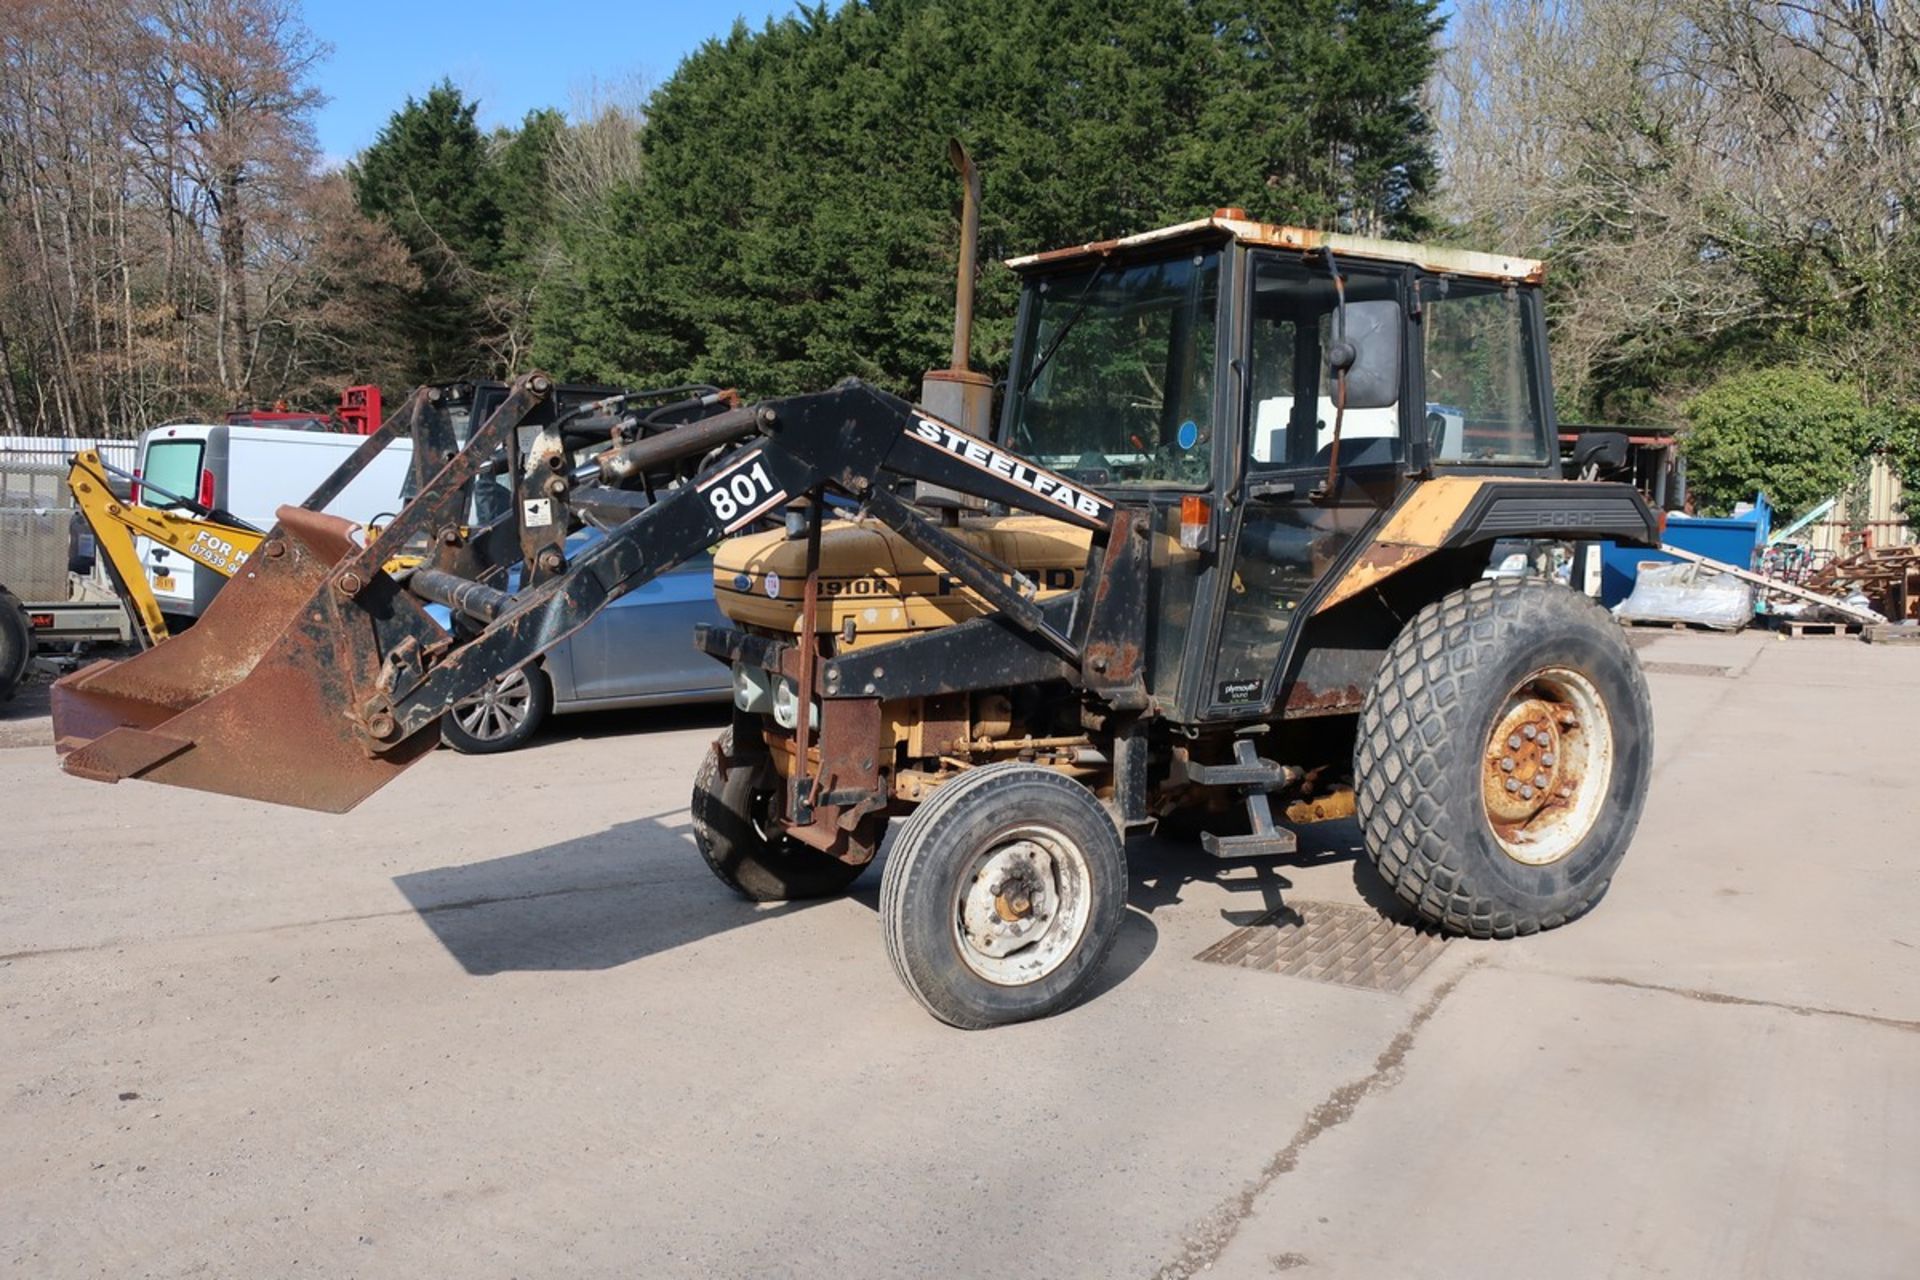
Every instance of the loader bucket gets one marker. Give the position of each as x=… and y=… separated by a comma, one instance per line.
x=251, y=700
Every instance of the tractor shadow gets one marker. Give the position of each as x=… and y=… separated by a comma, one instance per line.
x=594, y=902
x=634, y=890
x=1163, y=866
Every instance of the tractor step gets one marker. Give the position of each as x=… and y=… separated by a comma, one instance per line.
x=1248, y=769
x=1273, y=844
x=1266, y=838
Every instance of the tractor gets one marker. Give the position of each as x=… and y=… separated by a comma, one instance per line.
x=1221, y=565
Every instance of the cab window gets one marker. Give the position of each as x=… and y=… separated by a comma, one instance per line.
x=1295, y=400
x=1116, y=380
x=1482, y=402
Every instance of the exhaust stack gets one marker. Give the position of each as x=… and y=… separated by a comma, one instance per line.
x=959, y=394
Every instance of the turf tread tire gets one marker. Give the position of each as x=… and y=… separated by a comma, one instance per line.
x=1421, y=732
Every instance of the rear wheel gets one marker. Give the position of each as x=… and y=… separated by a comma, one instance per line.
x=1003, y=895
x=501, y=716
x=734, y=827
x=16, y=643
x=1502, y=758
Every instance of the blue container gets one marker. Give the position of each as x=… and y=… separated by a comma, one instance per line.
x=1732, y=540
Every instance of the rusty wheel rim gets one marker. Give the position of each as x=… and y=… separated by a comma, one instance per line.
x=1549, y=758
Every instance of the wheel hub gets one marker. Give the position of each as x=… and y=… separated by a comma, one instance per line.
x=1526, y=767
x=1546, y=767
x=1006, y=907
x=1022, y=906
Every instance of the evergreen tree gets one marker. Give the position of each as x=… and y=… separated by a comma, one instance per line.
x=428, y=176
x=795, y=219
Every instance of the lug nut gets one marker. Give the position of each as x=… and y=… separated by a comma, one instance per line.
x=1507, y=765
x=1529, y=732
x=1513, y=742
x=1546, y=758
x=1513, y=784
x=1526, y=793
x=1540, y=779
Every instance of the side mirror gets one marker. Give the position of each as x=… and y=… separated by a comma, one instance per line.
x=1598, y=452
x=1374, y=331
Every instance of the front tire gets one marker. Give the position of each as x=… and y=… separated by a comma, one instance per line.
x=1502, y=758
x=1003, y=895
x=502, y=716
x=734, y=829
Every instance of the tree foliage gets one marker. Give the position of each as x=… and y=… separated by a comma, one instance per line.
x=1719, y=185
x=794, y=221
x=1788, y=432
x=166, y=247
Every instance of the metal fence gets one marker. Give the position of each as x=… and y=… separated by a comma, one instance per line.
x=36, y=515
x=59, y=450
x=1875, y=513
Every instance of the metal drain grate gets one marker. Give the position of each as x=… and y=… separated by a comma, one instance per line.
x=1331, y=942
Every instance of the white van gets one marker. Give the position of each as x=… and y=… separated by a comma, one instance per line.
x=250, y=472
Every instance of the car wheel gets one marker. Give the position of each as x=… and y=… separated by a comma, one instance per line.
x=501, y=716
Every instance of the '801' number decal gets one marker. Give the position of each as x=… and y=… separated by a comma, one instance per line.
x=742, y=492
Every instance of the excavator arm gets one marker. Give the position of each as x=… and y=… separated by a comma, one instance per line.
x=210, y=537
x=319, y=674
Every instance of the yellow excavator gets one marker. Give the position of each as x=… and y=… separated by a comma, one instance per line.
x=206, y=535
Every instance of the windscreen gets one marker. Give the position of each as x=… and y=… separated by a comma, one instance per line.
x=1116, y=383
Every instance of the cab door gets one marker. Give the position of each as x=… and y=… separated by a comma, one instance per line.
x=1303, y=500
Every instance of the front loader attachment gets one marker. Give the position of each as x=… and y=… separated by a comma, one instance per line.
x=302, y=683
x=247, y=701
x=318, y=675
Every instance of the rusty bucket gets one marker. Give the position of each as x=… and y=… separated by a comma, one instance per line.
x=256, y=699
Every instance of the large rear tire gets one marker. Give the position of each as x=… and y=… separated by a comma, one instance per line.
x=1502, y=758
x=1003, y=895
x=733, y=827
x=16, y=643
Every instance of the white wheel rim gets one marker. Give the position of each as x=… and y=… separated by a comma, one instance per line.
x=1027, y=929
x=1547, y=766
x=498, y=710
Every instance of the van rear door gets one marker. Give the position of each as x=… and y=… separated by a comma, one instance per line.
x=175, y=461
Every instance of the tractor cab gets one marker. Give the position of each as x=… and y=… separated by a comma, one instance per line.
x=1271, y=394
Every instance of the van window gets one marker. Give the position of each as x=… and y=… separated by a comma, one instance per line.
x=172, y=465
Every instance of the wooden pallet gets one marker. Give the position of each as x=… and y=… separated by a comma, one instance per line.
x=1798, y=628
x=1886, y=633
x=1670, y=624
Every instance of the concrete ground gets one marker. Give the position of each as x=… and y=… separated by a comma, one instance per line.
x=501, y=1022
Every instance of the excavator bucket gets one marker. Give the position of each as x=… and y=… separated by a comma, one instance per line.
x=263, y=696
x=249, y=701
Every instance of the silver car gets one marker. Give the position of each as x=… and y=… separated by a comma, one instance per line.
x=637, y=652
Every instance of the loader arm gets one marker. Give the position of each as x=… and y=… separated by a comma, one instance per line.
x=348, y=691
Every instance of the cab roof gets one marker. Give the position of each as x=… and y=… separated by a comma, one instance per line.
x=1235, y=225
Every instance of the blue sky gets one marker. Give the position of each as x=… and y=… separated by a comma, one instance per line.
x=512, y=57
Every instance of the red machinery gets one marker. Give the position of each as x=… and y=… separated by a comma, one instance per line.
x=358, y=414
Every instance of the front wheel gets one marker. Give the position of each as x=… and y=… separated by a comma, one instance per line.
x=1502, y=758
x=1003, y=895
x=734, y=827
